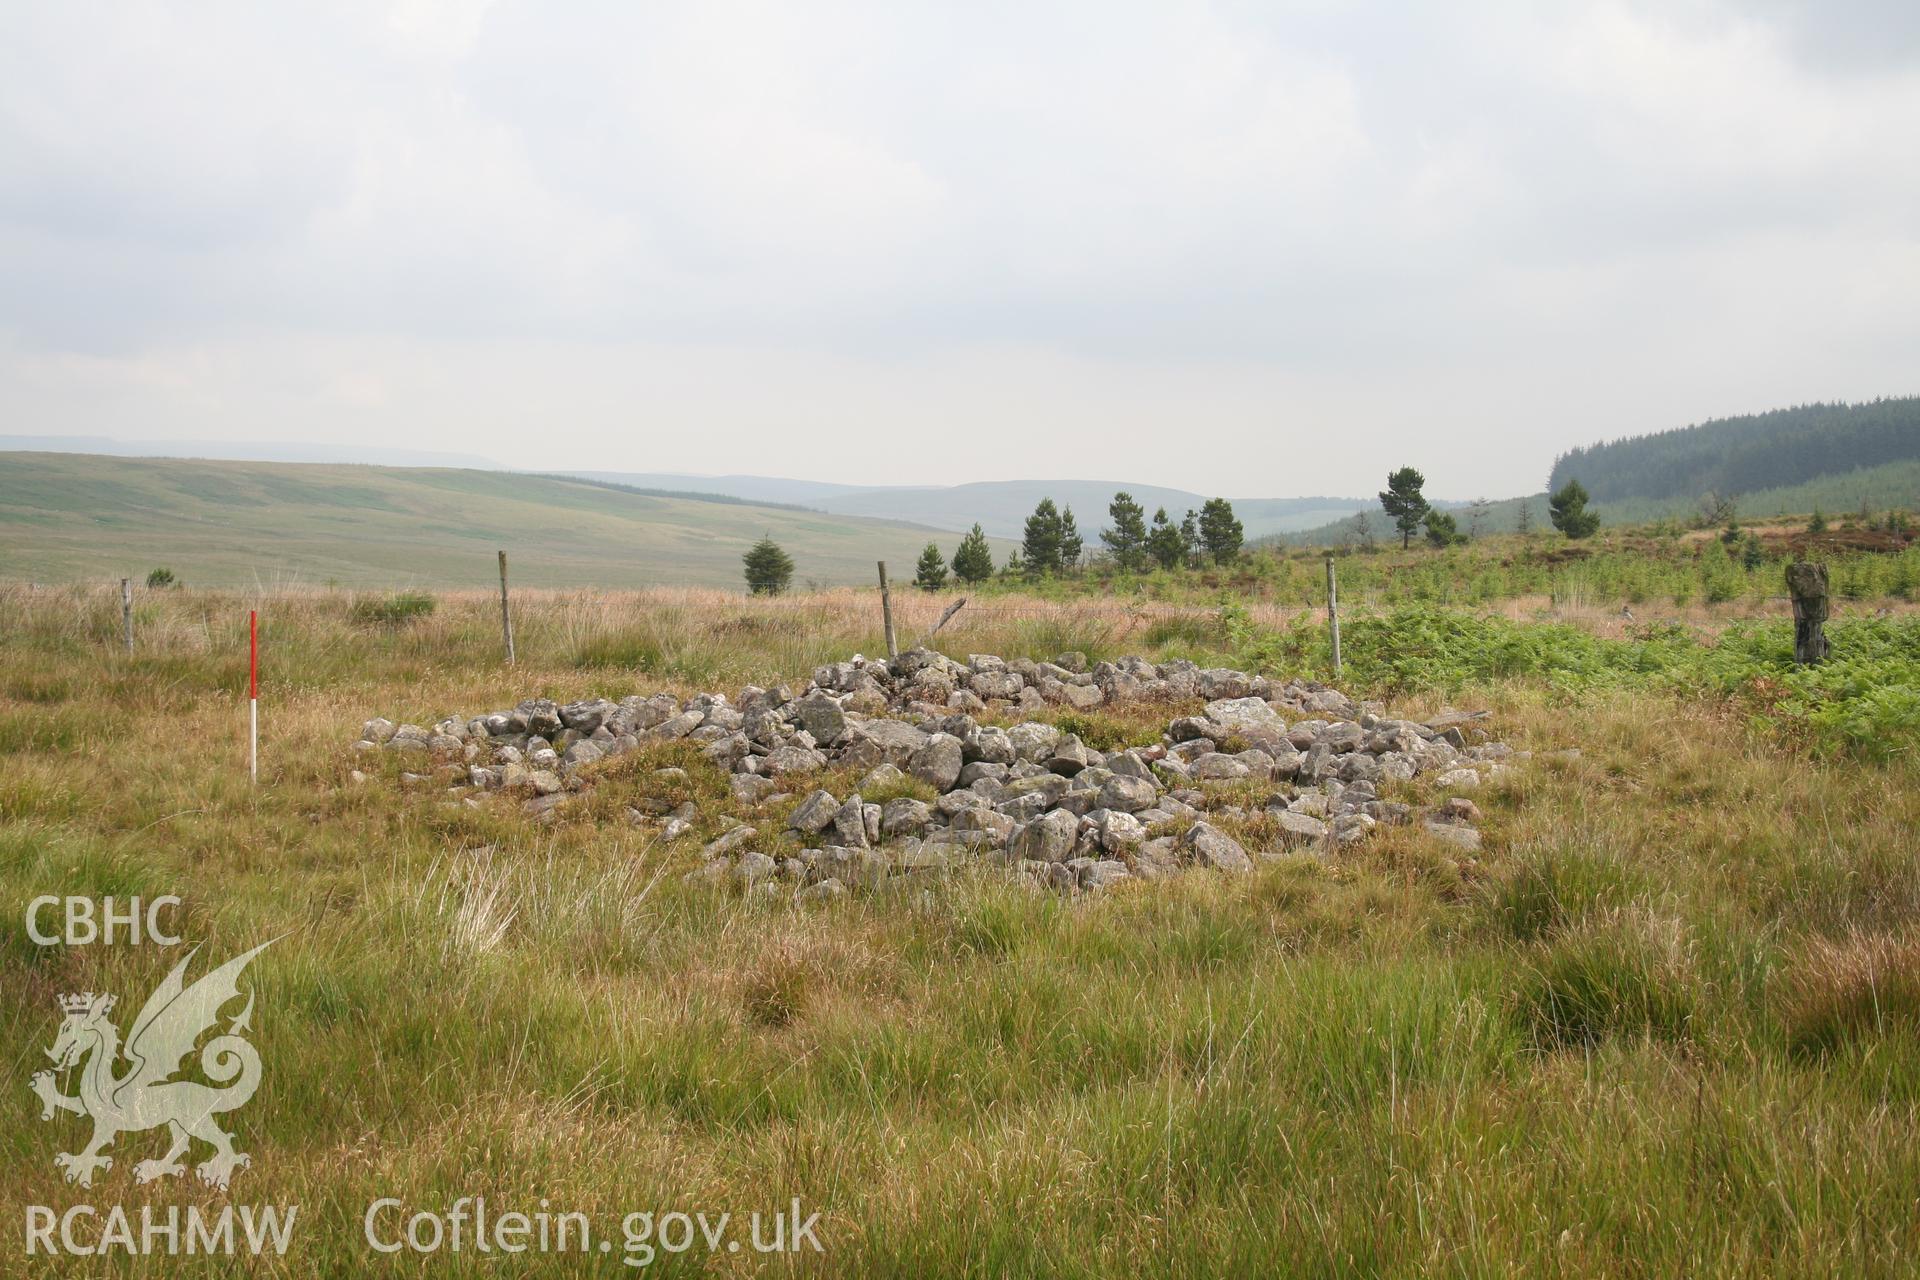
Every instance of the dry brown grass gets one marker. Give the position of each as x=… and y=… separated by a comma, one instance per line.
x=1838, y=990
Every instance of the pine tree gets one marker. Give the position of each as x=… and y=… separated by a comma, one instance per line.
x=1404, y=502
x=1220, y=530
x=1040, y=547
x=973, y=558
x=1477, y=517
x=1568, y=511
x=1190, y=539
x=931, y=573
x=1752, y=554
x=769, y=569
x=1819, y=522
x=1164, y=542
x=1013, y=568
x=1127, y=539
x=1442, y=529
x=1072, y=546
x=1524, y=521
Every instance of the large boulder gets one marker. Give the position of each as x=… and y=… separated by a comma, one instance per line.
x=1341, y=737
x=542, y=716
x=814, y=814
x=938, y=762
x=998, y=827
x=821, y=715
x=1047, y=838
x=1032, y=740
x=585, y=717
x=791, y=759
x=1050, y=786
x=750, y=788
x=989, y=745
x=882, y=741
x=1068, y=757
x=1128, y=795
x=996, y=684
x=1082, y=697
x=1206, y=845
x=1116, y=831
x=677, y=726
x=904, y=817
x=1215, y=767
x=1250, y=716
x=1220, y=682
x=850, y=822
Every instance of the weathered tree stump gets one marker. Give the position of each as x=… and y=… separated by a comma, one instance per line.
x=1807, y=583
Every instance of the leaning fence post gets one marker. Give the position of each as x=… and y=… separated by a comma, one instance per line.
x=1807, y=583
x=946, y=615
x=1333, y=615
x=126, y=611
x=886, y=612
x=506, y=619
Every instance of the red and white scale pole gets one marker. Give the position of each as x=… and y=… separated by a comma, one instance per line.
x=253, y=694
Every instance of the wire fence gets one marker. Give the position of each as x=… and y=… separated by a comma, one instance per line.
x=184, y=619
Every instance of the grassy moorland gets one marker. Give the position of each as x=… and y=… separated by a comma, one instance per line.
x=74, y=517
x=1666, y=566
x=1667, y=1022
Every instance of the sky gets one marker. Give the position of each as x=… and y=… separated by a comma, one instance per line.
x=1261, y=250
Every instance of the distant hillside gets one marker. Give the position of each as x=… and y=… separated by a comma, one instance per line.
x=1502, y=516
x=69, y=516
x=1001, y=507
x=1734, y=456
x=1875, y=489
x=805, y=493
x=247, y=451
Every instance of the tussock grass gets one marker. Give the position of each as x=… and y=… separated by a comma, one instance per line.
x=1843, y=991
x=1626, y=973
x=392, y=610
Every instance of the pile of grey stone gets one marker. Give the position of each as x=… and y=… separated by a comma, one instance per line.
x=1026, y=794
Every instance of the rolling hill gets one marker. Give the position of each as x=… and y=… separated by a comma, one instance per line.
x=1826, y=457
x=66, y=517
x=1001, y=507
x=1747, y=454
x=1875, y=489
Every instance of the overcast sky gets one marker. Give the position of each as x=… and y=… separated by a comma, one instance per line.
x=1262, y=249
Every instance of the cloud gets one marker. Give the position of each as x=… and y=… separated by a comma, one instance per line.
x=1333, y=237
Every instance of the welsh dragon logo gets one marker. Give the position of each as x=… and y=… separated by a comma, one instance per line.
x=164, y=1032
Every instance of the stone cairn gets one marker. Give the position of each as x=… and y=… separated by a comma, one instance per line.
x=1028, y=795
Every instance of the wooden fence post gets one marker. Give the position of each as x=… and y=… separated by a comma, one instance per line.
x=1333, y=615
x=506, y=619
x=126, y=611
x=886, y=611
x=253, y=695
x=1807, y=584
